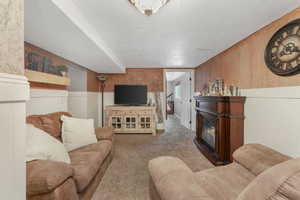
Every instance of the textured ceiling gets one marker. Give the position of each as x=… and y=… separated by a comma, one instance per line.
x=107, y=36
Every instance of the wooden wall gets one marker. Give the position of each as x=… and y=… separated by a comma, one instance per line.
x=92, y=83
x=243, y=64
x=152, y=77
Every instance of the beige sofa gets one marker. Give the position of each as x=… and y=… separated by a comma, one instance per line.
x=49, y=180
x=257, y=173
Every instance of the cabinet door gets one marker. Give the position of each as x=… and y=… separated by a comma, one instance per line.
x=130, y=122
x=116, y=122
x=145, y=122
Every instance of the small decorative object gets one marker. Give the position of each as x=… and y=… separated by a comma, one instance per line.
x=160, y=117
x=40, y=63
x=63, y=70
x=282, y=54
x=148, y=7
x=217, y=87
x=150, y=102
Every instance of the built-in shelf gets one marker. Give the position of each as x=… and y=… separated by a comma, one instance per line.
x=41, y=77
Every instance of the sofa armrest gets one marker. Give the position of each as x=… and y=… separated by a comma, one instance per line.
x=105, y=133
x=43, y=176
x=173, y=180
x=257, y=158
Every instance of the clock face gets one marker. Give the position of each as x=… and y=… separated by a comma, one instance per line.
x=282, y=54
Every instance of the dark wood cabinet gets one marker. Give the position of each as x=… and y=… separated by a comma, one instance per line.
x=220, y=127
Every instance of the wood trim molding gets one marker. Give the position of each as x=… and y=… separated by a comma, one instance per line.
x=41, y=77
x=47, y=86
x=13, y=88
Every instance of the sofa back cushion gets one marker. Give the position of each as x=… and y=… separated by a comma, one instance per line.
x=50, y=123
x=281, y=182
x=258, y=158
x=42, y=146
x=77, y=132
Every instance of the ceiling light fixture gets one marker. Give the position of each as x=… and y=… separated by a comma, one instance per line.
x=148, y=7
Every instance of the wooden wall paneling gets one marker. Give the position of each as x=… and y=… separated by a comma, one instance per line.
x=152, y=77
x=92, y=82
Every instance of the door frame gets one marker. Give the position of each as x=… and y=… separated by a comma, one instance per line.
x=192, y=111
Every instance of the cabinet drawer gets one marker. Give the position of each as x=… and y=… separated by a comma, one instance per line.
x=130, y=112
x=145, y=112
x=116, y=112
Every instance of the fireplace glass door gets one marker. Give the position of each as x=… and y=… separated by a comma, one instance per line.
x=209, y=133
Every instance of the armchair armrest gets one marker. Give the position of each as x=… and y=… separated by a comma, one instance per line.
x=43, y=176
x=257, y=158
x=105, y=133
x=173, y=180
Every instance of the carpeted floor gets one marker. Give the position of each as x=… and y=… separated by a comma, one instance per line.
x=127, y=177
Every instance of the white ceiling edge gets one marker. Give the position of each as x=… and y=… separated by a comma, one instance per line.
x=72, y=12
x=39, y=13
x=272, y=19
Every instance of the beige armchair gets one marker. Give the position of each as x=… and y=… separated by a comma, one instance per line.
x=257, y=173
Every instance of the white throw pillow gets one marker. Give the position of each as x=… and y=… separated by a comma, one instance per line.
x=42, y=146
x=77, y=133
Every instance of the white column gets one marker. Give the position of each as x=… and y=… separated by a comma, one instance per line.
x=14, y=92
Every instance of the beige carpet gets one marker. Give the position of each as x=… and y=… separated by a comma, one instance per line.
x=127, y=177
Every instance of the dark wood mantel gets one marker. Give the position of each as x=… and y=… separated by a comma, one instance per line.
x=226, y=116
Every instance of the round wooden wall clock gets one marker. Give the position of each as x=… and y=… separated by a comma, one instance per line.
x=282, y=54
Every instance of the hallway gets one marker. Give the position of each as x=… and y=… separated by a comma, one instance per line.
x=127, y=176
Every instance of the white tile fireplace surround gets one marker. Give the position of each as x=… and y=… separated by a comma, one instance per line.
x=14, y=92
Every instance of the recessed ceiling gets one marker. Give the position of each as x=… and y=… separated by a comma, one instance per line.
x=107, y=36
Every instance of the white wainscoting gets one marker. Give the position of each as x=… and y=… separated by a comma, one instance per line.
x=47, y=101
x=92, y=107
x=77, y=102
x=108, y=100
x=14, y=92
x=84, y=105
x=272, y=118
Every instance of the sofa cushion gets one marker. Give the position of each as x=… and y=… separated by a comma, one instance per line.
x=257, y=158
x=173, y=180
x=50, y=123
x=51, y=126
x=66, y=191
x=44, y=176
x=42, y=146
x=86, y=162
x=100, y=146
x=105, y=133
x=77, y=132
x=224, y=183
x=281, y=182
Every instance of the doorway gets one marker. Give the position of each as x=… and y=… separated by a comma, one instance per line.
x=179, y=87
